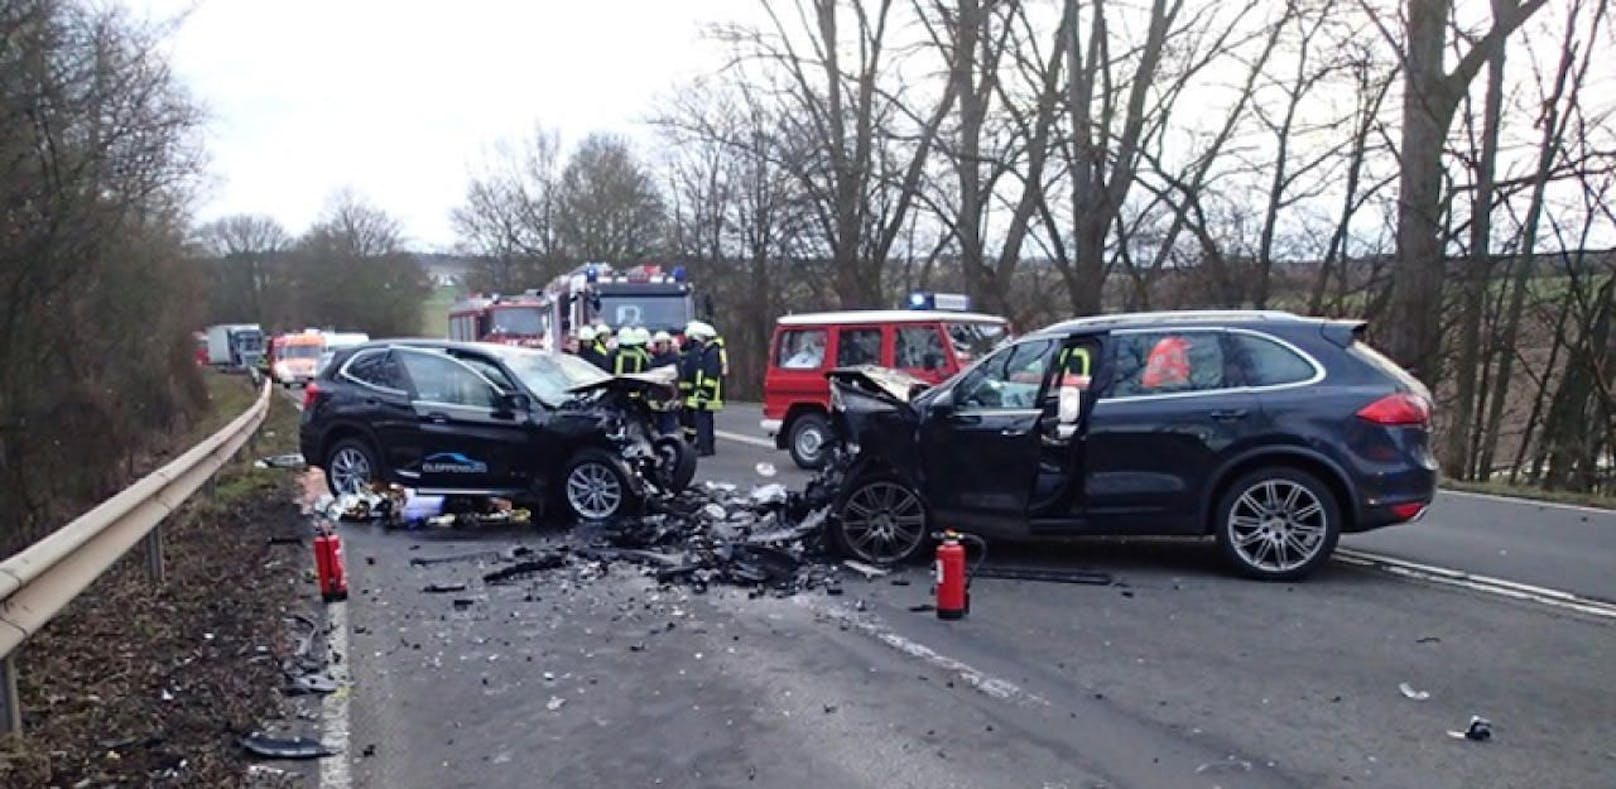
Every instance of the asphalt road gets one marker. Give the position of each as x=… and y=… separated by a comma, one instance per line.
x=1178, y=675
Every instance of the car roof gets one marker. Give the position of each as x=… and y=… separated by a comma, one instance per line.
x=886, y=316
x=447, y=345
x=1141, y=320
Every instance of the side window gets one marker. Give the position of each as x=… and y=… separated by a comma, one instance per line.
x=1009, y=379
x=801, y=349
x=919, y=348
x=376, y=368
x=1166, y=362
x=1264, y=362
x=440, y=379
x=490, y=371
x=858, y=346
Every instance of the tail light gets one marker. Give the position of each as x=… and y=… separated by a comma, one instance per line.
x=1408, y=512
x=311, y=392
x=1401, y=409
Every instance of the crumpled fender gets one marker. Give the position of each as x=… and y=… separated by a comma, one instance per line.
x=661, y=382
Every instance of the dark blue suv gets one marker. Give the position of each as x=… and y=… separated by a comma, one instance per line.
x=1272, y=432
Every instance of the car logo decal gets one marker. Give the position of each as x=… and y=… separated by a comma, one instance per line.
x=452, y=463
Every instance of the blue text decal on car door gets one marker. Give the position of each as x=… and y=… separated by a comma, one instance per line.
x=452, y=463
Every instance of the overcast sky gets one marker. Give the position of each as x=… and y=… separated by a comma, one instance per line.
x=399, y=99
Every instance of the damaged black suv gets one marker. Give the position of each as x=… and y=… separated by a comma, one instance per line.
x=1272, y=432
x=477, y=419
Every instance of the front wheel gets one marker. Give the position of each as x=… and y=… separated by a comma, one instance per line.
x=881, y=520
x=596, y=486
x=1278, y=524
x=809, y=441
x=676, y=463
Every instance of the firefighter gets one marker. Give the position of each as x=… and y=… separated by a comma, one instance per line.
x=706, y=364
x=591, y=349
x=663, y=355
x=630, y=356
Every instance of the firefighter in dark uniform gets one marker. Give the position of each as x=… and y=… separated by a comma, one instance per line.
x=664, y=355
x=592, y=349
x=631, y=356
x=706, y=362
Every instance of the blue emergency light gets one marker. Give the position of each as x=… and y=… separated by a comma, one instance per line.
x=678, y=273
x=950, y=302
x=591, y=273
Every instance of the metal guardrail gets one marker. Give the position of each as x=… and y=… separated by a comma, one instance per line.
x=39, y=581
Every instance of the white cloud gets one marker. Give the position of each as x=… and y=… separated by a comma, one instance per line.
x=397, y=99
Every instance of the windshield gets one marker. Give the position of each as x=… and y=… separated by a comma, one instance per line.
x=549, y=375
x=972, y=341
x=249, y=341
x=667, y=313
x=517, y=320
x=300, y=352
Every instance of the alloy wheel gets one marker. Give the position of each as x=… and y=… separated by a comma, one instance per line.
x=810, y=442
x=883, y=522
x=594, y=491
x=1277, y=525
x=350, y=470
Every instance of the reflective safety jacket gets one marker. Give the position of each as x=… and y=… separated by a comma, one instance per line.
x=632, y=359
x=596, y=353
x=702, y=375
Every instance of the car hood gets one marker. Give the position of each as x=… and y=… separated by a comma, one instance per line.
x=660, y=382
x=884, y=384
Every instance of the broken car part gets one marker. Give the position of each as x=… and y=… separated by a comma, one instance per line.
x=286, y=748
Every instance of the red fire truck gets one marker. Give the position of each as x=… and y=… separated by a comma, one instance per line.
x=510, y=320
x=639, y=296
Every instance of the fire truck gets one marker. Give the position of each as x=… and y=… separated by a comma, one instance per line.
x=509, y=320
x=637, y=296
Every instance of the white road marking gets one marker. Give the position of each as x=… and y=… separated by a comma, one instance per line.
x=750, y=440
x=335, y=770
x=1480, y=583
x=987, y=684
x=1529, y=502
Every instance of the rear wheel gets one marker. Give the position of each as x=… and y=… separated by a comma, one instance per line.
x=880, y=520
x=596, y=486
x=809, y=441
x=351, y=466
x=1278, y=524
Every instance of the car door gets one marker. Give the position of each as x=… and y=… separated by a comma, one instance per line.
x=376, y=396
x=979, y=441
x=468, y=440
x=1059, y=499
x=1169, y=413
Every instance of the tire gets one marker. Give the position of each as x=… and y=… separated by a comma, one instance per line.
x=678, y=456
x=1277, y=524
x=596, y=486
x=351, y=465
x=880, y=520
x=809, y=438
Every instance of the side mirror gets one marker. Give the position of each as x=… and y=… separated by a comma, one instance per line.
x=515, y=402
x=943, y=403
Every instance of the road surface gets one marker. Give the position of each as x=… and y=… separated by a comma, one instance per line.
x=1179, y=675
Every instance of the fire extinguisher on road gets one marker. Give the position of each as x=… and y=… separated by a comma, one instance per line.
x=328, y=564
x=953, y=578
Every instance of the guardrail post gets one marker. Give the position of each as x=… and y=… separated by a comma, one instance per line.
x=10, y=707
x=154, y=554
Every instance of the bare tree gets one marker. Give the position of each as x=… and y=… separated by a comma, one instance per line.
x=509, y=216
x=245, y=246
x=607, y=204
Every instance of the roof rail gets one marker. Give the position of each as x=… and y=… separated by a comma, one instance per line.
x=1175, y=316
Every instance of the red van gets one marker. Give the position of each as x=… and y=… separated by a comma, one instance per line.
x=931, y=346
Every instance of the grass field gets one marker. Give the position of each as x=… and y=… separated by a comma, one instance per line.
x=435, y=312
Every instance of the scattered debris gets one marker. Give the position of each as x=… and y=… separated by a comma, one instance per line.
x=1410, y=693
x=443, y=588
x=1428, y=640
x=1044, y=574
x=290, y=461
x=555, y=703
x=286, y=748
x=765, y=469
x=1479, y=730
x=479, y=556
x=264, y=772
x=311, y=684
x=922, y=608
x=869, y=571
x=548, y=561
x=1229, y=765
x=369, y=751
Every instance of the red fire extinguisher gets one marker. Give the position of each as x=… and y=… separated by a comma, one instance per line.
x=333, y=576
x=953, y=588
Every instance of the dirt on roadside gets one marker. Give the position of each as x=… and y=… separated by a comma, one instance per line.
x=138, y=684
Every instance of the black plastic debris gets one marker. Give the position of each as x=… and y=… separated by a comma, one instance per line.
x=286, y=747
x=479, y=556
x=1479, y=730
x=443, y=588
x=1044, y=574
x=308, y=684
x=549, y=561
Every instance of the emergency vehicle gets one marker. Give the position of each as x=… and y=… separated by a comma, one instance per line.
x=637, y=296
x=523, y=320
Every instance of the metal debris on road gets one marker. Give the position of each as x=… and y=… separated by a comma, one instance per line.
x=1479, y=730
x=869, y=571
x=1229, y=765
x=286, y=748
x=766, y=469
x=1044, y=574
x=307, y=684
x=549, y=561
x=289, y=461
x=1410, y=693
x=555, y=703
x=443, y=588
